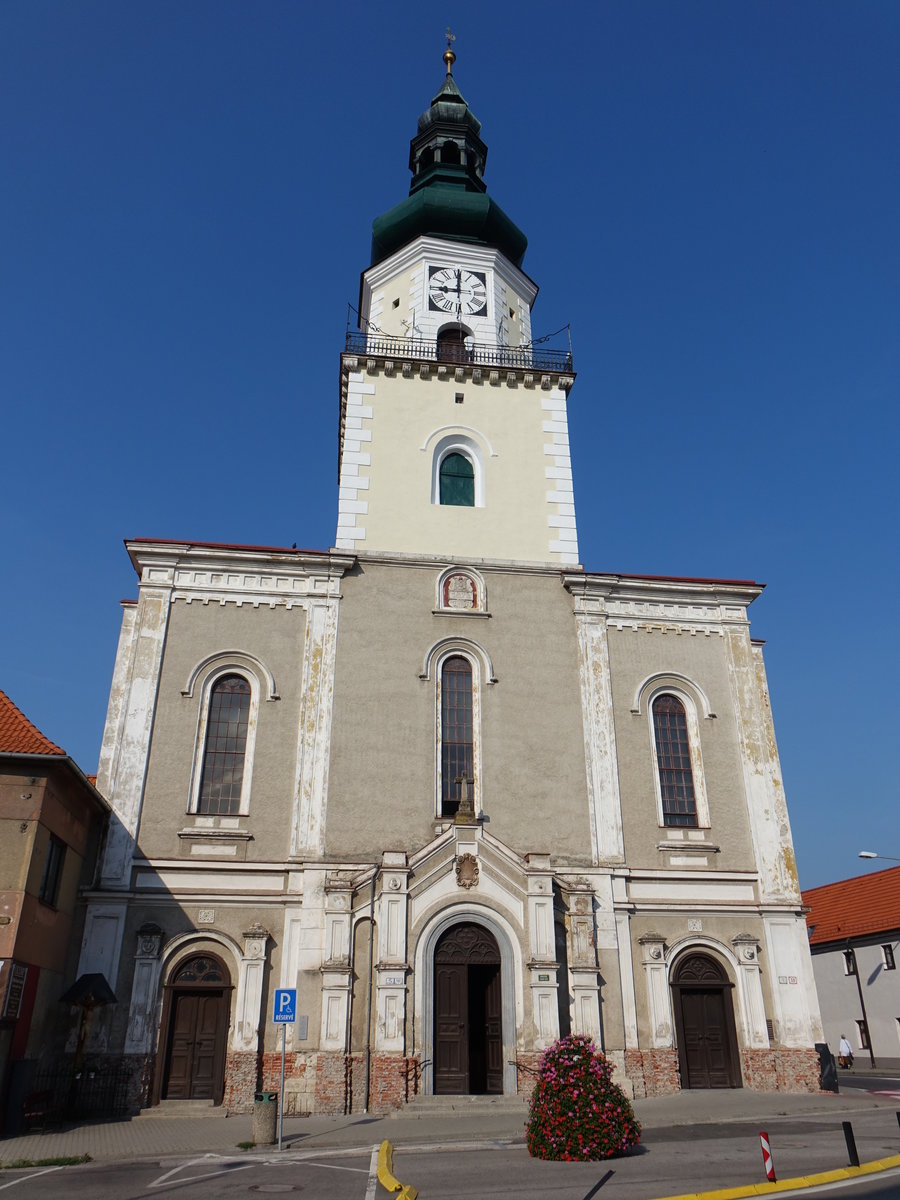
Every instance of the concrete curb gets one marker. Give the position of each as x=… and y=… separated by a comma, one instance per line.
x=801, y=1181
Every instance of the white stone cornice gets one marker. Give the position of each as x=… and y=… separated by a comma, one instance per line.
x=256, y=576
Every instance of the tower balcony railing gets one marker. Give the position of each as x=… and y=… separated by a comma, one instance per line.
x=474, y=354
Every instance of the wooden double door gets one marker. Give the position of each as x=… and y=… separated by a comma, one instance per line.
x=468, y=1026
x=198, y=1004
x=704, y=1018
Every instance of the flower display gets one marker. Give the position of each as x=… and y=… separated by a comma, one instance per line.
x=577, y=1113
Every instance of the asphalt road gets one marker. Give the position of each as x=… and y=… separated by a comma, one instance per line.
x=672, y=1162
x=869, y=1083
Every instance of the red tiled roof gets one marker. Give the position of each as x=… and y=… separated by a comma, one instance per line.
x=868, y=904
x=18, y=735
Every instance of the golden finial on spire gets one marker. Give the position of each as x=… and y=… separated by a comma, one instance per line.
x=449, y=56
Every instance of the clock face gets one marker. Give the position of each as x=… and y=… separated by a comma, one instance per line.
x=456, y=290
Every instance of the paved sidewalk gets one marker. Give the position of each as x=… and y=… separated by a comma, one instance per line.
x=155, y=1136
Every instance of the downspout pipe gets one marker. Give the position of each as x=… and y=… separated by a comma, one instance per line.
x=370, y=970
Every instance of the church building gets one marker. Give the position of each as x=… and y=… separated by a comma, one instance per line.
x=459, y=792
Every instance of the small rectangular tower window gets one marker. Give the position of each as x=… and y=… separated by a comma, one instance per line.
x=53, y=865
x=849, y=962
x=887, y=955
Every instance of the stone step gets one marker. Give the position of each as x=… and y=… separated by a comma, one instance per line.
x=185, y=1108
x=436, y=1106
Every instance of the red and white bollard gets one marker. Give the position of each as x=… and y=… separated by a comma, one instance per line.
x=767, y=1157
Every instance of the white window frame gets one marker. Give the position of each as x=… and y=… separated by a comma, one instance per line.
x=211, y=671
x=693, y=732
x=457, y=443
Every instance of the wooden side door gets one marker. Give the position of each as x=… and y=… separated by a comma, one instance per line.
x=181, y=1047
x=493, y=1028
x=196, y=1047
x=208, y=1036
x=451, y=1058
x=707, y=1050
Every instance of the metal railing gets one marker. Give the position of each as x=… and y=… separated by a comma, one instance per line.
x=470, y=354
x=59, y=1092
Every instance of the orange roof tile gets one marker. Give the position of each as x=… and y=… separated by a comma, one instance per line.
x=865, y=905
x=18, y=735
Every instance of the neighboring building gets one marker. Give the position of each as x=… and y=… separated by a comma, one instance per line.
x=460, y=793
x=51, y=822
x=854, y=936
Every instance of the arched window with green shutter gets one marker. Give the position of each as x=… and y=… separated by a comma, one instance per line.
x=457, y=479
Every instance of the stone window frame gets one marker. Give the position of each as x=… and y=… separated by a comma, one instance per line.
x=482, y=677
x=695, y=703
x=205, y=675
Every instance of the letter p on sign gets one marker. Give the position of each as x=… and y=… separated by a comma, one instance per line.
x=285, y=1006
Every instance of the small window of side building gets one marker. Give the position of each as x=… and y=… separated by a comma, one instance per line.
x=887, y=955
x=52, y=876
x=849, y=962
x=863, y=1033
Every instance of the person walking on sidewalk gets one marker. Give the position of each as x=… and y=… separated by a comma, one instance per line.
x=845, y=1053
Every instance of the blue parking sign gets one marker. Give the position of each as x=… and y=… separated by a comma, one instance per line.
x=285, y=1006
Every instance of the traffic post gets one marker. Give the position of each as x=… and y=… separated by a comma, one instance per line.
x=285, y=1014
x=767, y=1157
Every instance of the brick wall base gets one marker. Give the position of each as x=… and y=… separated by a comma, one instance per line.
x=335, y=1083
x=527, y=1071
x=653, y=1072
x=241, y=1081
x=778, y=1070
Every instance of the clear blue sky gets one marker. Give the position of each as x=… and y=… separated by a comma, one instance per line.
x=711, y=192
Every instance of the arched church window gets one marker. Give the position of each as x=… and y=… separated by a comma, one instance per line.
x=457, y=481
x=457, y=732
x=450, y=152
x=673, y=756
x=225, y=747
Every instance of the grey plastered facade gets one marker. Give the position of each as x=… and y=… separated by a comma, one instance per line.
x=554, y=893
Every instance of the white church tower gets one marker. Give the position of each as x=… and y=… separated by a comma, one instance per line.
x=454, y=432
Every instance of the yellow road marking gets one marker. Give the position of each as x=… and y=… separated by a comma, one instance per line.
x=783, y=1185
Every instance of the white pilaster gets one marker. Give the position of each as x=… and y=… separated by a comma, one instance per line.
x=543, y=969
x=313, y=751
x=653, y=960
x=752, y=1005
x=129, y=722
x=392, y=966
x=144, y=986
x=248, y=1006
x=604, y=802
x=336, y=969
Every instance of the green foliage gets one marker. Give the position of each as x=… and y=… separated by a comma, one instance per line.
x=577, y=1113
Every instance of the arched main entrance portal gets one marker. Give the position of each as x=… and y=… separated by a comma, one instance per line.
x=468, y=1034
x=704, y=1024
x=195, y=1029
